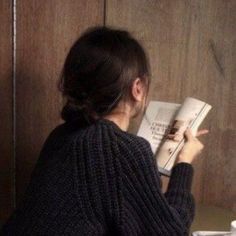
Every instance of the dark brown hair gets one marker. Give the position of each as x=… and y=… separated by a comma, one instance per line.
x=98, y=72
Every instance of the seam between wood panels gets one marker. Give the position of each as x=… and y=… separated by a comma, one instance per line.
x=104, y=12
x=14, y=97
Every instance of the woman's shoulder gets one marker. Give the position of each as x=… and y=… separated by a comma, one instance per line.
x=123, y=139
x=125, y=135
x=102, y=133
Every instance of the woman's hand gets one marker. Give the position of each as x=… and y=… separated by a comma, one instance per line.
x=192, y=147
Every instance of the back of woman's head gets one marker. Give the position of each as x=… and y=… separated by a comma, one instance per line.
x=98, y=73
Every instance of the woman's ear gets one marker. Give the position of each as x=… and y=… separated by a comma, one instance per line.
x=138, y=90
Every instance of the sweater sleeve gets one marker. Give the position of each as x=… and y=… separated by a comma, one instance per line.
x=146, y=210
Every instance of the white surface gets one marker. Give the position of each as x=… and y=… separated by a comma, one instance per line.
x=233, y=227
x=210, y=233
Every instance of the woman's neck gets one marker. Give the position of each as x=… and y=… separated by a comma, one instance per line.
x=121, y=120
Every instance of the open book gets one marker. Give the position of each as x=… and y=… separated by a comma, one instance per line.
x=163, y=118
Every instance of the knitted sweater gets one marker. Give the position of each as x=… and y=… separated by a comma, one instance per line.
x=101, y=180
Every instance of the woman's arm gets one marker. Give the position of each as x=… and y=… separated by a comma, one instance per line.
x=146, y=210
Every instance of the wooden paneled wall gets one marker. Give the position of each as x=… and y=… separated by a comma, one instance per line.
x=6, y=111
x=45, y=31
x=192, y=49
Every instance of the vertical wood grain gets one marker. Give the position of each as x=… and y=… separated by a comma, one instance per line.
x=45, y=32
x=6, y=115
x=219, y=32
x=191, y=46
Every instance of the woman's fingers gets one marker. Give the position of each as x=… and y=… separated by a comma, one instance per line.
x=189, y=134
x=201, y=132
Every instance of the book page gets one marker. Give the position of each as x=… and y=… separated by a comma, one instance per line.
x=156, y=122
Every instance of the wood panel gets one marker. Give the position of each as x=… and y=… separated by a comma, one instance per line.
x=191, y=46
x=45, y=32
x=6, y=118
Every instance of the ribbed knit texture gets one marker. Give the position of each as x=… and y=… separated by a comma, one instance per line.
x=101, y=180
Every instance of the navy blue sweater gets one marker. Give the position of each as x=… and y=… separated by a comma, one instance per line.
x=101, y=180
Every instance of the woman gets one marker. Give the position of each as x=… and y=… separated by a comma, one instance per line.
x=92, y=176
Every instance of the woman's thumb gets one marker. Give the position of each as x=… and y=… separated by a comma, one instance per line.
x=188, y=134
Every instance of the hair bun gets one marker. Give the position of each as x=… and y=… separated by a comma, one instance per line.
x=74, y=111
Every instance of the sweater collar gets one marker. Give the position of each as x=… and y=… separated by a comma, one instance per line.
x=109, y=122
